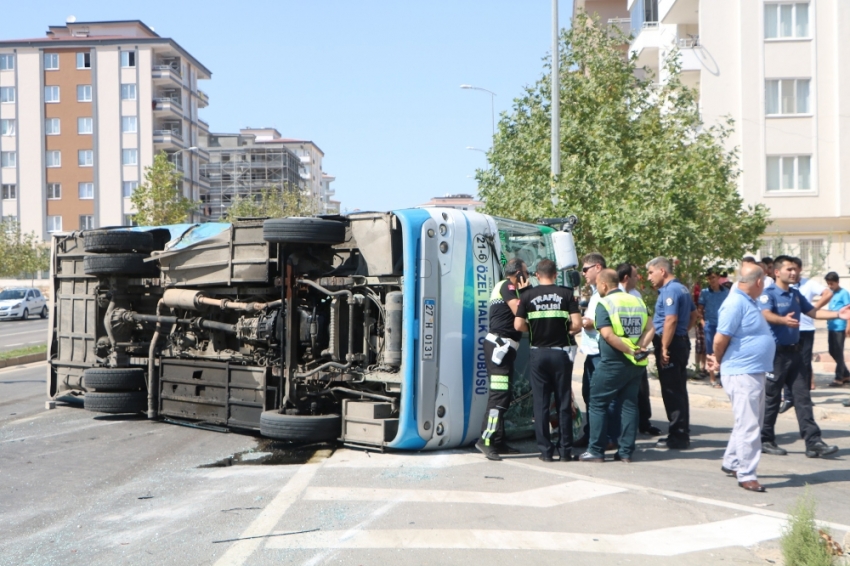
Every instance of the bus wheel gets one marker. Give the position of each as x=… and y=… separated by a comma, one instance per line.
x=116, y=402
x=300, y=428
x=303, y=231
x=114, y=379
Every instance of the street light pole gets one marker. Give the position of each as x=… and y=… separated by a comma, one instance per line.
x=556, y=100
x=492, y=104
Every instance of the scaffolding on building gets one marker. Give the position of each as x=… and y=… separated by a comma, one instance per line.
x=244, y=172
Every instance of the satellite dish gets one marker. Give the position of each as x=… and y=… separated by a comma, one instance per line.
x=70, y=19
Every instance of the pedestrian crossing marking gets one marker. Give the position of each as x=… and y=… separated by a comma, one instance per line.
x=739, y=531
x=548, y=496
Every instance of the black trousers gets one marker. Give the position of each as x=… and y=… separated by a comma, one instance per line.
x=493, y=428
x=551, y=374
x=807, y=346
x=644, y=406
x=788, y=370
x=835, y=339
x=674, y=386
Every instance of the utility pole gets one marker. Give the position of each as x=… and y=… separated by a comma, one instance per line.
x=556, y=103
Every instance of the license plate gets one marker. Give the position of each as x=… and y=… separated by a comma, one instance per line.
x=429, y=312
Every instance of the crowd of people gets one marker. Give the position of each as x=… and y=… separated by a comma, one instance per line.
x=754, y=338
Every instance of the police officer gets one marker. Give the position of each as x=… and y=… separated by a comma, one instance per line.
x=675, y=314
x=500, y=348
x=550, y=314
x=622, y=323
x=782, y=305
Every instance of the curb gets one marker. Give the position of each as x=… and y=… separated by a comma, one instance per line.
x=21, y=360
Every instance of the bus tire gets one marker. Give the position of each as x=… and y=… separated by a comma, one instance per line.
x=116, y=402
x=114, y=379
x=300, y=428
x=119, y=265
x=303, y=231
x=117, y=241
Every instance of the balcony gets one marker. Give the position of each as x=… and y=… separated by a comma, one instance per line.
x=203, y=99
x=168, y=137
x=166, y=74
x=204, y=126
x=622, y=24
x=167, y=107
x=646, y=43
x=678, y=11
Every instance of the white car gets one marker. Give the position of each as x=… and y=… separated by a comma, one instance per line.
x=21, y=303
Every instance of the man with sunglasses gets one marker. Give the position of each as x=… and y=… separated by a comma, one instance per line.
x=500, y=348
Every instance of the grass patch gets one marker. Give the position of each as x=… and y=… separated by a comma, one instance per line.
x=801, y=542
x=18, y=352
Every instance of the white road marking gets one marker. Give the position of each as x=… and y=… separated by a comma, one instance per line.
x=549, y=496
x=352, y=532
x=358, y=459
x=264, y=524
x=740, y=531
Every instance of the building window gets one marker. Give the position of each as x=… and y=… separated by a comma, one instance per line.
x=84, y=60
x=812, y=255
x=128, y=92
x=54, y=191
x=54, y=223
x=129, y=220
x=128, y=58
x=8, y=159
x=7, y=127
x=128, y=187
x=53, y=158
x=7, y=94
x=128, y=124
x=86, y=190
x=784, y=20
x=85, y=158
x=85, y=126
x=51, y=61
x=10, y=192
x=86, y=222
x=787, y=96
x=7, y=62
x=51, y=94
x=129, y=157
x=83, y=93
x=789, y=173
x=52, y=126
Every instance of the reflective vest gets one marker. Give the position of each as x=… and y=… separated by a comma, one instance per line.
x=628, y=319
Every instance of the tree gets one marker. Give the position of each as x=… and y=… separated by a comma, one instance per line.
x=274, y=202
x=638, y=167
x=21, y=253
x=159, y=199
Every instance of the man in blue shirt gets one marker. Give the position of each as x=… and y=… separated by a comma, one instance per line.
x=782, y=306
x=837, y=329
x=675, y=314
x=744, y=349
x=709, y=306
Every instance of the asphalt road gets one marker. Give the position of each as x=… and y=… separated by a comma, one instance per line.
x=16, y=334
x=81, y=488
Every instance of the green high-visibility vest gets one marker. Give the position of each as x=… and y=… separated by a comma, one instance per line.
x=628, y=319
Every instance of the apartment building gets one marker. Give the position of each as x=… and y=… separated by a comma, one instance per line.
x=83, y=112
x=459, y=201
x=781, y=70
x=243, y=164
x=316, y=181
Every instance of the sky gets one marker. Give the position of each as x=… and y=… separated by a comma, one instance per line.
x=374, y=83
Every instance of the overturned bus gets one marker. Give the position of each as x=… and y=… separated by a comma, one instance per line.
x=367, y=328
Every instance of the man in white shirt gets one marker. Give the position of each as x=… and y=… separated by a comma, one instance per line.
x=592, y=264
x=628, y=277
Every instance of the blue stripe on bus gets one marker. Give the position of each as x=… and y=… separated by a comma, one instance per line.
x=469, y=345
x=408, y=437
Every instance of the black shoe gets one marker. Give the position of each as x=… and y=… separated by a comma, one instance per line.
x=568, y=458
x=846, y=402
x=772, y=449
x=581, y=442
x=651, y=431
x=619, y=458
x=819, y=449
x=785, y=406
x=545, y=458
x=488, y=451
x=505, y=449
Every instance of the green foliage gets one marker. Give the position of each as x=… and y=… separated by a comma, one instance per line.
x=801, y=543
x=638, y=167
x=273, y=202
x=159, y=199
x=21, y=253
x=19, y=352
